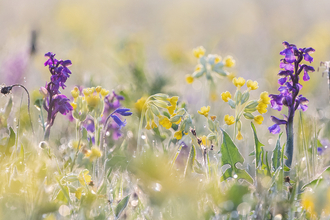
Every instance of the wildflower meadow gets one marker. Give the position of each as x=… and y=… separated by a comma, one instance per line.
x=110, y=111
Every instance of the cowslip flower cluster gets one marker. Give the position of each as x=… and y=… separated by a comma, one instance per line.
x=54, y=101
x=244, y=107
x=207, y=65
x=174, y=115
x=291, y=69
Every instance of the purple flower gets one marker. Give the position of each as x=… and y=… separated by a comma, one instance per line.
x=275, y=129
x=123, y=111
x=119, y=122
x=61, y=104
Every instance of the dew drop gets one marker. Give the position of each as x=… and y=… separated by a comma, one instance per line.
x=143, y=137
x=235, y=176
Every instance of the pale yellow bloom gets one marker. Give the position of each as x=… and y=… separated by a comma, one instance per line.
x=229, y=61
x=231, y=76
x=140, y=103
x=84, y=177
x=239, y=136
x=189, y=79
x=229, y=119
x=262, y=108
x=75, y=92
x=204, y=111
x=94, y=153
x=239, y=82
x=104, y=92
x=153, y=124
x=165, y=122
x=148, y=125
x=226, y=96
x=178, y=135
x=199, y=51
x=74, y=105
x=252, y=85
x=264, y=98
x=217, y=59
x=258, y=119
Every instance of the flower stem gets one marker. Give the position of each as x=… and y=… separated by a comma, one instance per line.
x=289, y=140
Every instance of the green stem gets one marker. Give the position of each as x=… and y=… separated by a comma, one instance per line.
x=305, y=146
x=139, y=147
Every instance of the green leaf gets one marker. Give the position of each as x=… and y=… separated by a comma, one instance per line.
x=232, y=104
x=257, y=147
x=121, y=206
x=276, y=157
x=211, y=125
x=245, y=97
x=8, y=108
x=191, y=159
x=238, y=97
x=248, y=115
x=231, y=156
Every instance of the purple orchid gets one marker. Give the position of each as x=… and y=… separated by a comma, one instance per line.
x=55, y=101
x=289, y=90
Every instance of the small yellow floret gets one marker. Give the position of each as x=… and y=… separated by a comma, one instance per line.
x=258, y=119
x=98, y=89
x=178, y=135
x=140, y=103
x=239, y=136
x=189, y=79
x=148, y=125
x=74, y=105
x=262, y=108
x=84, y=177
x=94, y=153
x=88, y=91
x=239, y=82
x=173, y=100
x=104, y=92
x=226, y=96
x=165, y=122
x=75, y=92
x=229, y=61
x=205, y=141
x=264, y=98
x=93, y=100
x=231, y=76
x=198, y=67
x=204, y=111
x=252, y=85
x=153, y=124
x=217, y=59
x=199, y=51
x=229, y=119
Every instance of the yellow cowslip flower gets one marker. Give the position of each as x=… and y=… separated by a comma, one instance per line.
x=258, y=119
x=88, y=91
x=229, y=119
x=98, y=89
x=94, y=153
x=84, y=177
x=93, y=100
x=199, y=51
x=264, y=98
x=205, y=141
x=189, y=79
x=231, y=76
x=178, y=121
x=140, y=103
x=229, y=61
x=78, y=193
x=178, y=135
x=262, y=108
x=173, y=100
x=239, y=136
x=217, y=59
x=74, y=105
x=104, y=92
x=308, y=203
x=153, y=124
x=239, y=82
x=75, y=144
x=171, y=109
x=213, y=117
x=204, y=111
x=165, y=122
x=226, y=96
x=252, y=85
x=148, y=125
x=75, y=92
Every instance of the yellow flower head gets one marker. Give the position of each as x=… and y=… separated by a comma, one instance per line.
x=74, y=105
x=88, y=91
x=104, y=92
x=308, y=203
x=178, y=135
x=153, y=124
x=258, y=119
x=75, y=144
x=252, y=85
x=229, y=61
x=140, y=103
x=262, y=108
x=173, y=100
x=229, y=119
x=264, y=98
x=213, y=117
x=148, y=125
x=205, y=141
x=165, y=122
x=78, y=193
x=84, y=177
x=75, y=92
x=226, y=96
x=92, y=100
x=94, y=153
x=239, y=82
x=98, y=89
x=171, y=109
x=239, y=136
x=189, y=79
x=199, y=51
x=204, y=111
x=217, y=59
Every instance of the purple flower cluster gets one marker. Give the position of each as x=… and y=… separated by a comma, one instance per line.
x=291, y=68
x=55, y=101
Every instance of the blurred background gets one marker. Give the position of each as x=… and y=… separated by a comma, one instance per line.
x=143, y=47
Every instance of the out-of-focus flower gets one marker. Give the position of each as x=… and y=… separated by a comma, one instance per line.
x=165, y=122
x=178, y=135
x=189, y=79
x=239, y=136
x=259, y=119
x=226, y=96
x=140, y=103
x=229, y=61
x=93, y=153
x=83, y=177
x=199, y=51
